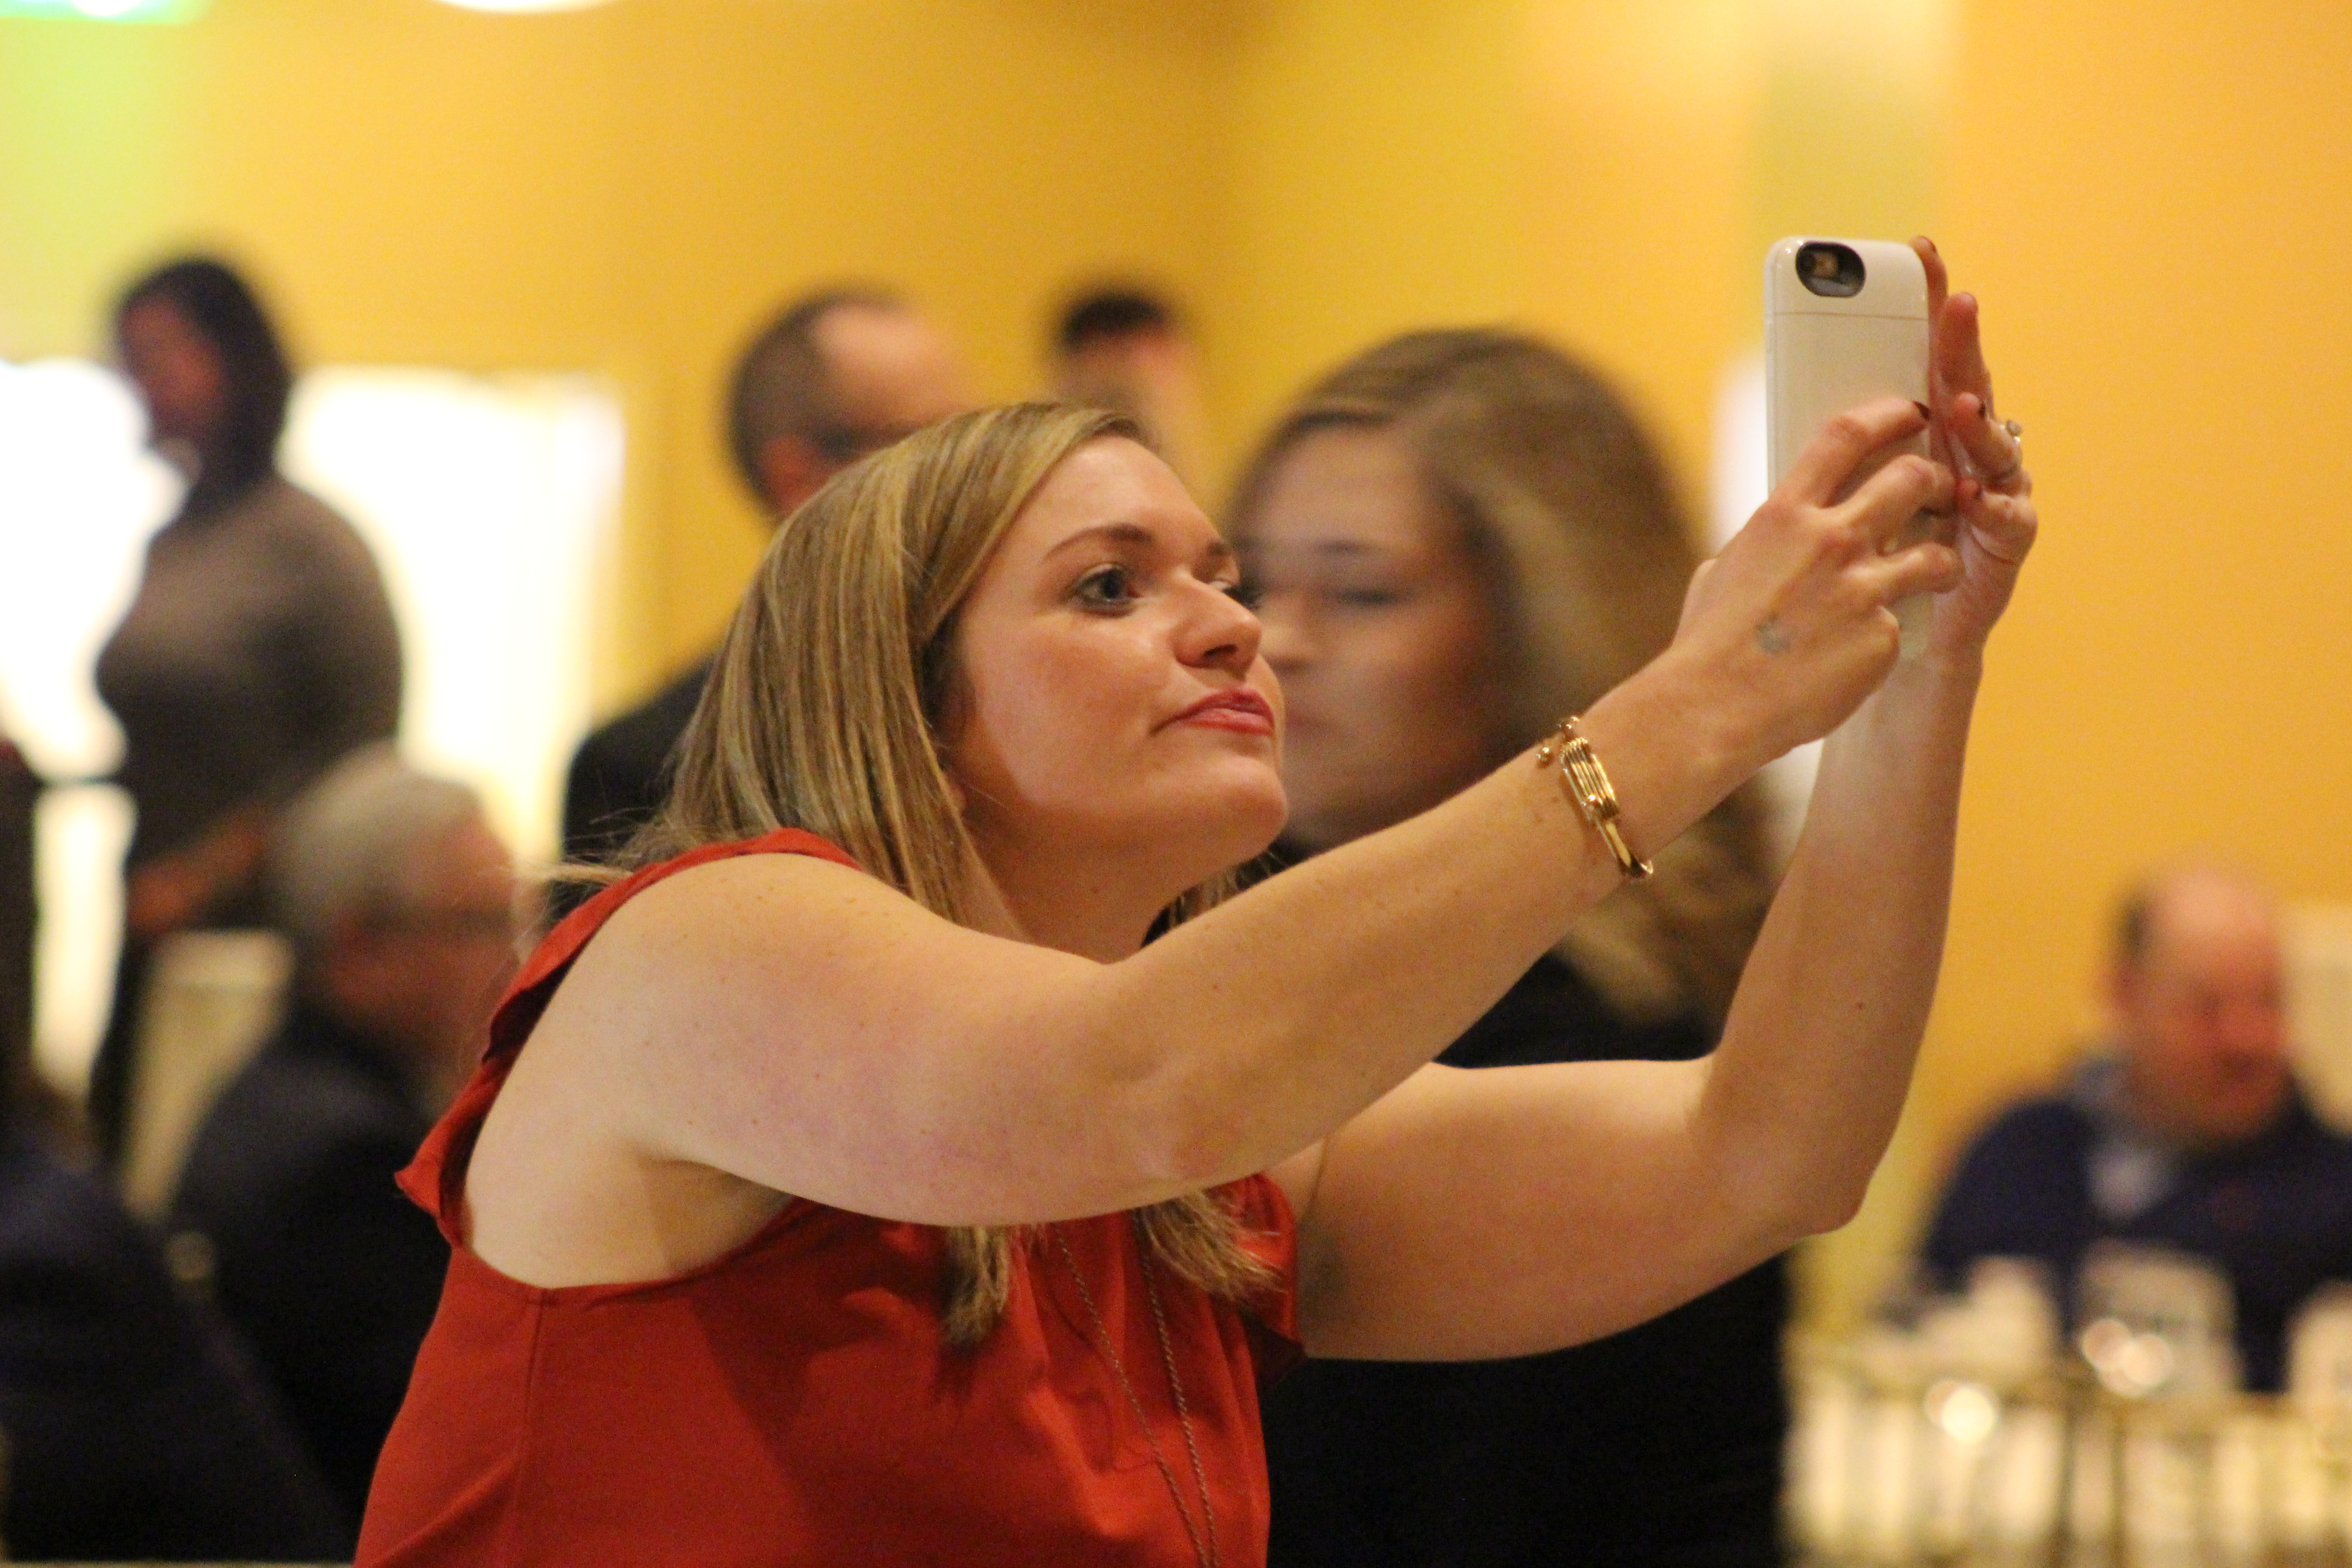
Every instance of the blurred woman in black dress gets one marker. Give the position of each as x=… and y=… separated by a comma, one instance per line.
x=1460, y=536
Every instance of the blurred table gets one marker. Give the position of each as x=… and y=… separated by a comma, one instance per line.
x=2057, y=1470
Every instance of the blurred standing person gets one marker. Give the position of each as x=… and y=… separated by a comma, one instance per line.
x=837, y=375
x=1459, y=536
x=400, y=900
x=259, y=647
x=1126, y=350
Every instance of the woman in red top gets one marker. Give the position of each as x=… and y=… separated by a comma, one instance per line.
x=870, y=1192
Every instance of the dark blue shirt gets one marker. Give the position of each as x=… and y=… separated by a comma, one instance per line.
x=136, y=1429
x=2274, y=1214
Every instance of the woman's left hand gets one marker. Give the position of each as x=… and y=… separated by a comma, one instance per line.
x=1994, y=497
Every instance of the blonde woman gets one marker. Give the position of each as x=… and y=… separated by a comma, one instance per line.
x=855, y=1185
x=1455, y=537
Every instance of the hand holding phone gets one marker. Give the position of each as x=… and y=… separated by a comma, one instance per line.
x=1845, y=321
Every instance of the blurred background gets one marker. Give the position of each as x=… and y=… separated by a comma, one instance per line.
x=517, y=254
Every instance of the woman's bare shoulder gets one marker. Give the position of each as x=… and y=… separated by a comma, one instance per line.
x=571, y=1181
x=745, y=921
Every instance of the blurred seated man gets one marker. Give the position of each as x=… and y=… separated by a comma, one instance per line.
x=399, y=901
x=838, y=374
x=136, y=1430
x=133, y=1429
x=2185, y=1130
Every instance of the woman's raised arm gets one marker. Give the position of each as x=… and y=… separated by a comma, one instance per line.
x=807, y=1029
x=1504, y=1212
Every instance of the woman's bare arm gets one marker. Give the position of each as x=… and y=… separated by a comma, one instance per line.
x=1507, y=1211
x=807, y=1029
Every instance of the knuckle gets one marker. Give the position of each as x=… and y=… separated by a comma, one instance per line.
x=1930, y=478
x=1833, y=541
x=1848, y=426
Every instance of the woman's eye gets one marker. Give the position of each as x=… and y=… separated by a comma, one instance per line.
x=1107, y=588
x=1247, y=592
x=1367, y=598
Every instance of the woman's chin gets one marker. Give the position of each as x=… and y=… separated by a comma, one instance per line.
x=1237, y=822
x=1260, y=807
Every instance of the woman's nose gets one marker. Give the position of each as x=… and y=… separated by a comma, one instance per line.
x=1223, y=632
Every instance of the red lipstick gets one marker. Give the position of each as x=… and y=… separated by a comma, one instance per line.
x=1239, y=708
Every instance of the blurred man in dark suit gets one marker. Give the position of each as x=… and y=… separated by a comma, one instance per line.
x=400, y=900
x=837, y=375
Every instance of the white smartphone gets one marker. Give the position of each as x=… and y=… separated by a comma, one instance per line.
x=1845, y=320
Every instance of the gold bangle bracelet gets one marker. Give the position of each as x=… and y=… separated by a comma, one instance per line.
x=1588, y=783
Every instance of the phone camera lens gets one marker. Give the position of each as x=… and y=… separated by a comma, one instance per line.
x=1831, y=269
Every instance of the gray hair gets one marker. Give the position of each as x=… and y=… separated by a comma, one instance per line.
x=351, y=846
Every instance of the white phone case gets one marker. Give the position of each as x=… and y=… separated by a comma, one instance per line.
x=1824, y=353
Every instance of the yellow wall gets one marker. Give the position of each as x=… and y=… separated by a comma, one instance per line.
x=628, y=190
x=2142, y=199
x=2143, y=194
x=1374, y=167
x=2148, y=203
x=1605, y=171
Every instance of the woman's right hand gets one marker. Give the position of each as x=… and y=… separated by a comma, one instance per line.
x=1792, y=625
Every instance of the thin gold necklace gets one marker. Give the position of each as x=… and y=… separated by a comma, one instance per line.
x=1204, y=1551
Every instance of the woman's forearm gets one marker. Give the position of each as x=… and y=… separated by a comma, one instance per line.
x=1394, y=945
x=1464, y=1214
x=1805, y=1089
x=963, y=1082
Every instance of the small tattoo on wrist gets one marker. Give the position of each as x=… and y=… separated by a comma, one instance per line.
x=1772, y=636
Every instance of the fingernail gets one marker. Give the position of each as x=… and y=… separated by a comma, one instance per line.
x=1925, y=412
x=1930, y=244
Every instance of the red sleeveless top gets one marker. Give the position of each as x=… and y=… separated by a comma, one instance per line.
x=795, y=1401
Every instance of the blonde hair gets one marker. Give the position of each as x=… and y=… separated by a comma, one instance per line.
x=826, y=711
x=1566, y=512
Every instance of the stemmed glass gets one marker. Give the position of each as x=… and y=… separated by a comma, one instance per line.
x=2320, y=1387
x=2153, y=1324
